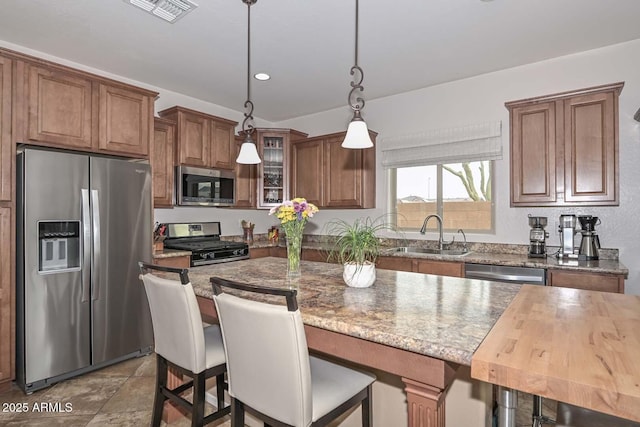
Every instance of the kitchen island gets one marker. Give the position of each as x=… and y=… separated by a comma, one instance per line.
x=416, y=326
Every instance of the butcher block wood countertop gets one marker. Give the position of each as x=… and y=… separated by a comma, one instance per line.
x=576, y=346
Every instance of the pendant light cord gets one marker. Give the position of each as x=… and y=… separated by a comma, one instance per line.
x=356, y=102
x=357, y=14
x=247, y=123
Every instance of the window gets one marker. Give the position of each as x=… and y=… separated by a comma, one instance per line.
x=446, y=171
x=459, y=192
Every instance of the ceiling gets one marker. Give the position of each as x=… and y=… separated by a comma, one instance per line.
x=308, y=45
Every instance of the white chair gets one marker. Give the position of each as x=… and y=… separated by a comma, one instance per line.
x=574, y=416
x=270, y=372
x=182, y=342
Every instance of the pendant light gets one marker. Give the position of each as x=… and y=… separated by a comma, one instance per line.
x=248, y=152
x=357, y=133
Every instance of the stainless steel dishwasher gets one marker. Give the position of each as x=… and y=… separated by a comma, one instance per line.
x=506, y=398
x=505, y=273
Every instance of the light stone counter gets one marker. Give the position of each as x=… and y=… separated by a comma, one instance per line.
x=441, y=317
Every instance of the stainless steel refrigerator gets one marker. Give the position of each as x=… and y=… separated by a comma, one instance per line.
x=83, y=223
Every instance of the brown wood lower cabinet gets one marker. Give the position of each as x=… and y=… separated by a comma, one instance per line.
x=7, y=313
x=441, y=268
x=259, y=252
x=589, y=281
x=425, y=266
x=177, y=261
x=394, y=263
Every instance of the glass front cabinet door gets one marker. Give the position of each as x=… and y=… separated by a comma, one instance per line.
x=273, y=172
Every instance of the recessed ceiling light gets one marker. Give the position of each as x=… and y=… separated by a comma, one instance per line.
x=262, y=76
x=169, y=10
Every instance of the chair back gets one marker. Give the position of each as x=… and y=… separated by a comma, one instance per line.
x=267, y=356
x=177, y=324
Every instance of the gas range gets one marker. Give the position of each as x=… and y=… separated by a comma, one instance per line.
x=203, y=240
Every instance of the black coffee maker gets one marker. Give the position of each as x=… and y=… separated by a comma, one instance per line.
x=537, y=236
x=590, y=241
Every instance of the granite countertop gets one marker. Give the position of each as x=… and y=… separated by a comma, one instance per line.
x=498, y=254
x=441, y=317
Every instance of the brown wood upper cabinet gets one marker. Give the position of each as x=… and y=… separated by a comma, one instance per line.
x=331, y=176
x=161, y=159
x=125, y=120
x=564, y=148
x=202, y=140
x=6, y=142
x=71, y=109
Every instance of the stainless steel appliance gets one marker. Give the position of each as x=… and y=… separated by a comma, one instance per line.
x=590, y=242
x=567, y=230
x=204, y=187
x=505, y=273
x=509, y=274
x=83, y=223
x=203, y=240
x=537, y=236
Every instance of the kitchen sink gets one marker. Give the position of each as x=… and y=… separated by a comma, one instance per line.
x=415, y=250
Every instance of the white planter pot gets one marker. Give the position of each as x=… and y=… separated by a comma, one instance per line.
x=359, y=275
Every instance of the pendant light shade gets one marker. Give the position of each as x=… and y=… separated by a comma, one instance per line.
x=248, y=152
x=357, y=133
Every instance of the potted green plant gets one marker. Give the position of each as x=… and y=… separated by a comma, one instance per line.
x=357, y=247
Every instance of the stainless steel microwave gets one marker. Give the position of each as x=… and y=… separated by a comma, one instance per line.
x=204, y=187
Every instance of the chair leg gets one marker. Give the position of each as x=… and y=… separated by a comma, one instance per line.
x=367, y=408
x=161, y=383
x=197, y=411
x=237, y=413
x=220, y=391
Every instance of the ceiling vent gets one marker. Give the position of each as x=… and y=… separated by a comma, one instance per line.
x=169, y=10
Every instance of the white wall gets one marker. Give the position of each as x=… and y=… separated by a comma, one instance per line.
x=481, y=99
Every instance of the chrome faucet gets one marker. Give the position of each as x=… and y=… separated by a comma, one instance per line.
x=464, y=236
x=424, y=229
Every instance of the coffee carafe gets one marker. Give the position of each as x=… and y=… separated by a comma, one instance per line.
x=590, y=242
x=537, y=236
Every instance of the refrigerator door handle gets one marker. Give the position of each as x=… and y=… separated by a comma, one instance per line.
x=86, y=245
x=95, y=261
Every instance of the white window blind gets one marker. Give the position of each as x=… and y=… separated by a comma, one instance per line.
x=450, y=145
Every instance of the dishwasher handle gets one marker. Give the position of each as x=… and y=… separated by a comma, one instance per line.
x=500, y=277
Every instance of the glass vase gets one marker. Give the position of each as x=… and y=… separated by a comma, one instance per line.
x=294, y=245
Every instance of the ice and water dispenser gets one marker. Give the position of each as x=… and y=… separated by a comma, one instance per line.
x=59, y=246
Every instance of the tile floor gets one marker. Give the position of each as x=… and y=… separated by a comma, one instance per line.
x=120, y=395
